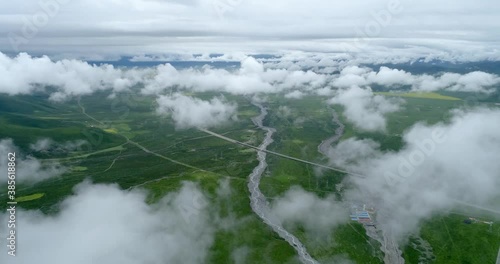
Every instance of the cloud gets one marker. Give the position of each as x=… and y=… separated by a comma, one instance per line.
x=188, y=112
x=284, y=112
x=471, y=82
x=395, y=79
x=29, y=170
x=318, y=216
x=47, y=144
x=251, y=78
x=390, y=77
x=138, y=27
x=295, y=95
x=240, y=255
x=247, y=80
x=69, y=78
x=349, y=76
x=103, y=224
x=438, y=166
x=25, y=74
x=364, y=109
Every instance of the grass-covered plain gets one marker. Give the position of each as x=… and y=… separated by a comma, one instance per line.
x=190, y=155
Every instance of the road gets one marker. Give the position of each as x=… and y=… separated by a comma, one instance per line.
x=129, y=141
x=277, y=154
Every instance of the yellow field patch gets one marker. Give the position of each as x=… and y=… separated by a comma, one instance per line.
x=32, y=197
x=248, y=150
x=424, y=95
x=51, y=118
x=111, y=130
x=248, y=113
x=79, y=168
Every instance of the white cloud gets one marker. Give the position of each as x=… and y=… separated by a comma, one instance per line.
x=29, y=170
x=46, y=144
x=103, y=224
x=471, y=82
x=240, y=255
x=140, y=27
x=438, y=165
x=476, y=81
x=390, y=77
x=69, y=78
x=317, y=215
x=251, y=78
x=295, y=95
x=188, y=112
x=364, y=109
x=24, y=75
x=351, y=75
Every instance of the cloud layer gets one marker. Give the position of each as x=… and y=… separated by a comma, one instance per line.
x=47, y=144
x=316, y=215
x=439, y=165
x=364, y=109
x=475, y=81
x=103, y=224
x=140, y=27
x=29, y=170
x=24, y=75
x=188, y=112
x=63, y=79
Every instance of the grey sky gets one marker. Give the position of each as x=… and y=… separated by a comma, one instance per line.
x=111, y=27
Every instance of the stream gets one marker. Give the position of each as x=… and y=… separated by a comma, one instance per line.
x=388, y=245
x=259, y=202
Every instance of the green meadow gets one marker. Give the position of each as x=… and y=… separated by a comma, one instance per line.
x=118, y=130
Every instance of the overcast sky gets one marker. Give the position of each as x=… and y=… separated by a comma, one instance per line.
x=118, y=27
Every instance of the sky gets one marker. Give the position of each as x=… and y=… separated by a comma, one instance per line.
x=106, y=29
x=324, y=47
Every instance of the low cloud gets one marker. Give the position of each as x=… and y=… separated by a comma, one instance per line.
x=25, y=74
x=251, y=78
x=29, y=170
x=189, y=112
x=66, y=78
x=395, y=79
x=103, y=224
x=471, y=82
x=318, y=216
x=47, y=144
x=364, y=109
x=440, y=167
x=63, y=79
x=295, y=95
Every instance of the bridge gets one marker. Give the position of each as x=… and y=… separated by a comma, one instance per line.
x=278, y=154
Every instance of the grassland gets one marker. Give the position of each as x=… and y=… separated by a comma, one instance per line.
x=300, y=129
x=455, y=242
x=108, y=157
